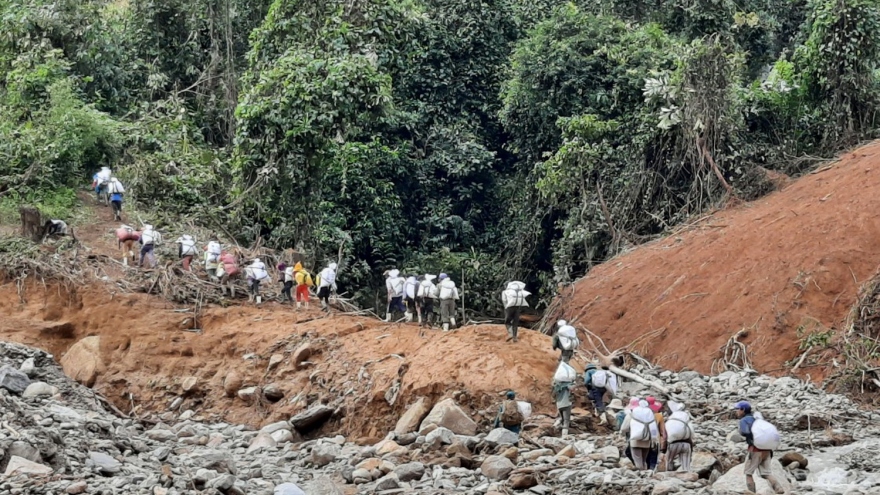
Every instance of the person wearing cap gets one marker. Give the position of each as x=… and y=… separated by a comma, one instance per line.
x=617, y=412
x=509, y=416
x=448, y=294
x=565, y=339
x=595, y=392
x=287, y=281
x=303, y=281
x=757, y=460
x=425, y=297
x=326, y=283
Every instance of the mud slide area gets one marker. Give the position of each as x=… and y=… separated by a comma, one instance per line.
x=779, y=268
x=133, y=349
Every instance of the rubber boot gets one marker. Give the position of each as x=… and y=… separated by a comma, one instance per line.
x=387, y=317
x=452, y=322
x=603, y=419
x=259, y=299
x=298, y=305
x=446, y=327
x=774, y=483
x=420, y=321
x=408, y=317
x=125, y=261
x=565, y=432
x=250, y=298
x=231, y=290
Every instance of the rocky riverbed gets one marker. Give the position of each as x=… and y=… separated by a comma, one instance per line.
x=57, y=437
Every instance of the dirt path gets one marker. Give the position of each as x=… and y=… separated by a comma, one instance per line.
x=788, y=264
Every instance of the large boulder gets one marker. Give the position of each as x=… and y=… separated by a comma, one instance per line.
x=324, y=454
x=447, y=414
x=410, y=420
x=13, y=380
x=232, y=383
x=500, y=436
x=82, y=362
x=496, y=467
x=735, y=481
x=703, y=463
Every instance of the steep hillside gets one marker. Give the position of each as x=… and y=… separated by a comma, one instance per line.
x=781, y=267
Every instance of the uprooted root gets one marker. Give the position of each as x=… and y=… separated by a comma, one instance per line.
x=734, y=355
x=21, y=259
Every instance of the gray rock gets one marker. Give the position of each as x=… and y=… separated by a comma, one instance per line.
x=324, y=454
x=361, y=476
x=688, y=376
x=288, y=489
x=28, y=367
x=161, y=453
x=323, y=485
x=217, y=460
x=440, y=436
x=387, y=482
x=273, y=427
x=13, y=380
x=667, y=486
x=104, y=463
x=311, y=419
x=161, y=435
x=411, y=471
x=501, y=436
x=25, y=451
x=496, y=467
x=260, y=442
x=203, y=476
x=222, y=483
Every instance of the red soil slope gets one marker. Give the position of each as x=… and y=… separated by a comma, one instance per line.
x=794, y=259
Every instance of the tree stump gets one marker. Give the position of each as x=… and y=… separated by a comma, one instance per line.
x=31, y=223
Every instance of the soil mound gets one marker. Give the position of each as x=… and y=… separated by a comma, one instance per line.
x=779, y=268
x=138, y=354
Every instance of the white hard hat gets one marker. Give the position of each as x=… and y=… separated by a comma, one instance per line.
x=561, y=323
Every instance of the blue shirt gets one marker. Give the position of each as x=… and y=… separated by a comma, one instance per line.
x=745, y=427
x=116, y=197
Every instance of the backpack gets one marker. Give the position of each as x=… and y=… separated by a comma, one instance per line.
x=510, y=413
x=599, y=379
x=765, y=436
x=678, y=427
x=568, y=343
x=640, y=429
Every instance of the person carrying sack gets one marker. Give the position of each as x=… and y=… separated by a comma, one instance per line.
x=326, y=284
x=448, y=294
x=679, y=438
x=149, y=238
x=509, y=415
x=640, y=427
x=514, y=299
x=212, y=258
x=565, y=339
x=394, y=284
x=303, y=281
x=596, y=379
x=425, y=298
x=186, y=250
x=286, y=281
x=563, y=382
x=410, y=292
x=762, y=439
x=256, y=273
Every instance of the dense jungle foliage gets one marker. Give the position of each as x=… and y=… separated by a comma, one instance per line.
x=490, y=139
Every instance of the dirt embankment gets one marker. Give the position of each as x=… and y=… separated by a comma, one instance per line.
x=781, y=267
x=144, y=356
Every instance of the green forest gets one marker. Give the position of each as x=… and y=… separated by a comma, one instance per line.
x=493, y=139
